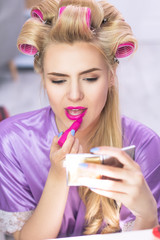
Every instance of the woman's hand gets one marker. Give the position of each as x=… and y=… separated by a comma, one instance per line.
x=131, y=188
x=58, y=154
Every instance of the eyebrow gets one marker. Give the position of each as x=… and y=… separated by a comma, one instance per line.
x=81, y=73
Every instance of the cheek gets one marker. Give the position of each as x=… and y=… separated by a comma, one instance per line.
x=101, y=97
x=52, y=96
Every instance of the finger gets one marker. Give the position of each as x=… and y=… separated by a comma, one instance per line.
x=58, y=152
x=106, y=185
x=75, y=146
x=118, y=153
x=55, y=146
x=60, y=134
x=119, y=197
x=67, y=146
x=80, y=149
x=105, y=170
x=56, y=157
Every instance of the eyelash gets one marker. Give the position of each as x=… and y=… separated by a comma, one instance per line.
x=58, y=82
x=91, y=79
x=86, y=79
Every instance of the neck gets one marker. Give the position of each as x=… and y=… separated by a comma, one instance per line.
x=85, y=135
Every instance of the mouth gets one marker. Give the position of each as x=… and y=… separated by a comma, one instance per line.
x=74, y=113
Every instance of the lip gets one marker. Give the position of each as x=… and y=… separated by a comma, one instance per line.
x=81, y=111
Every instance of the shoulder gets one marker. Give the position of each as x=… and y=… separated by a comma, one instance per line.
x=25, y=141
x=134, y=131
x=35, y=128
x=25, y=120
x=146, y=141
x=147, y=155
x=22, y=116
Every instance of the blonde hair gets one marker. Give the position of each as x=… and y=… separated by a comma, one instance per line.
x=107, y=31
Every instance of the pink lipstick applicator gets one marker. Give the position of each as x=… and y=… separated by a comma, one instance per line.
x=75, y=126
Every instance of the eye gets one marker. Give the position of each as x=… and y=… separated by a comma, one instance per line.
x=92, y=79
x=58, y=81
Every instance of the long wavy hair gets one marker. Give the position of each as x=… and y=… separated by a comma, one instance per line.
x=107, y=31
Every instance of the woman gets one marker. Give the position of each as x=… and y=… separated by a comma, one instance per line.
x=76, y=46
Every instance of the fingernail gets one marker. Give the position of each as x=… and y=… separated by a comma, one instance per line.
x=60, y=134
x=83, y=165
x=96, y=149
x=72, y=132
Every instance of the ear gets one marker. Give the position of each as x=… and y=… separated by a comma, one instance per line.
x=112, y=81
x=112, y=78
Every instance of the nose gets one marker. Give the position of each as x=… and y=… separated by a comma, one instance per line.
x=75, y=91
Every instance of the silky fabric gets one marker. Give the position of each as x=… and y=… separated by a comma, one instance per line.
x=25, y=142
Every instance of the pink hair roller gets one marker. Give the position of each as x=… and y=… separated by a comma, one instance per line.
x=36, y=13
x=125, y=49
x=88, y=15
x=28, y=49
x=61, y=10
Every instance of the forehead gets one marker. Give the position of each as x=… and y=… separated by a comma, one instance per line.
x=78, y=56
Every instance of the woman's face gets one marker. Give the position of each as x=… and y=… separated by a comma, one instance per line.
x=75, y=77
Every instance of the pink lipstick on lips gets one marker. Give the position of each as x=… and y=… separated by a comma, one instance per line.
x=74, y=113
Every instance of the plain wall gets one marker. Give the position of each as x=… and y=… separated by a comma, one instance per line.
x=139, y=75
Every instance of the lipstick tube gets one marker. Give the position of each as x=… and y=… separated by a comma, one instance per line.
x=75, y=126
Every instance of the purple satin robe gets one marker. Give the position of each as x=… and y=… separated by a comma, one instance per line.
x=25, y=142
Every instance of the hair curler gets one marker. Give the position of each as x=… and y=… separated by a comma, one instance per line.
x=88, y=17
x=36, y=13
x=125, y=49
x=61, y=10
x=28, y=49
x=88, y=14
